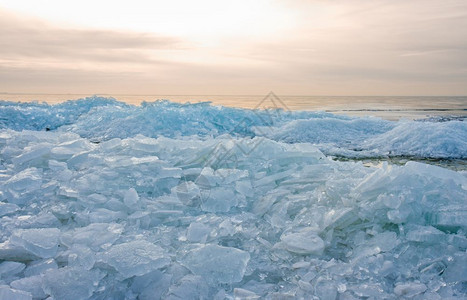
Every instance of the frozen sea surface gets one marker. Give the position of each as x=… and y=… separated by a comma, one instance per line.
x=104, y=200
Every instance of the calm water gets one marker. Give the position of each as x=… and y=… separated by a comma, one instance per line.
x=387, y=107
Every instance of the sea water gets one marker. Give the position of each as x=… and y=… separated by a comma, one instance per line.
x=387, y=107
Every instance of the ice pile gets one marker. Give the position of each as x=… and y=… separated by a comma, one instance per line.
x=101, y=119
x=42, y=116
x=217, y=216
x=370, y=137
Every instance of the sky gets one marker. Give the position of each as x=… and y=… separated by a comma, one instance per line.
x=208, y=47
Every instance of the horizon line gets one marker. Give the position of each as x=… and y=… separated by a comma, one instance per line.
x=250, y=95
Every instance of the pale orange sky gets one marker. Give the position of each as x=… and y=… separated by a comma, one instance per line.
x=351, y=47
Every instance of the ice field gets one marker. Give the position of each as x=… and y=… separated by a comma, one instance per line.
x=104, y=200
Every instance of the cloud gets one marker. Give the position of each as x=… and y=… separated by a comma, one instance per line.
x=335, y=48
x=27, y=39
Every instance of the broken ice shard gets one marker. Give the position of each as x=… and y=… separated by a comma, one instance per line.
x=304, y=242
x=42, y=242
x=136, y=258
x=218, y=264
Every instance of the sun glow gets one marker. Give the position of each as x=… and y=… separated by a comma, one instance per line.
x=182, y=18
